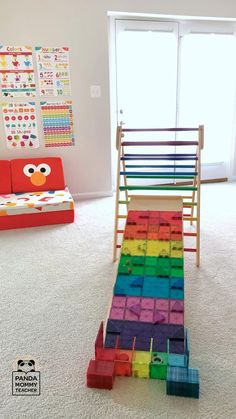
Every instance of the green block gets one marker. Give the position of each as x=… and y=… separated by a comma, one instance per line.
x=150, y=271
x=177, y=262
x=138, y=260
x=163, y=271
x=124, y=270
x=158, y=366
x=177, y=272
x=137, y=270
x=151, y=261
x=163, y=263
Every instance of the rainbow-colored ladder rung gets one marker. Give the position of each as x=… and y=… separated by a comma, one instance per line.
x=145, y=334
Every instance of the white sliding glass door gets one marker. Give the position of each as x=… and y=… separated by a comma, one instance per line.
x=147, y=72
x=168, y=76
x=207, y=95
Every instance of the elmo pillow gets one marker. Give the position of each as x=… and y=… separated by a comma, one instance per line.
x=37, y=174
x=5, y=177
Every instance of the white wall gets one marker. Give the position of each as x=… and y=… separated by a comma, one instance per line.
x=83, y=26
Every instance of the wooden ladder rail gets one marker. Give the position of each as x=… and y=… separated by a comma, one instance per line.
x=195, y=194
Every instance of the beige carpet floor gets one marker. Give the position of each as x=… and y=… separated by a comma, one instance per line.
x=55, y=284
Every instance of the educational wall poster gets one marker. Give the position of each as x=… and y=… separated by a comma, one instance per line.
x=16, y=71
x=20, y=125
x=57, y=123
x=53, y=71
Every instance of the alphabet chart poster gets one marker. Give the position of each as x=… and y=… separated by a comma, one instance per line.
x=16, y=71
x=20, y=125
x=57, y=123
x=53, y=71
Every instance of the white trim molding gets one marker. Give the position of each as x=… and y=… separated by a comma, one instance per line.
x=91, y=195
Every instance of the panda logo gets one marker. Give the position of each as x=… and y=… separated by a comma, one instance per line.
x=26, y=365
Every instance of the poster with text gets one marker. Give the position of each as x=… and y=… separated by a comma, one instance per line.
x=16, y=71
x=20, y=125
x=57, y=123
x=53, y=71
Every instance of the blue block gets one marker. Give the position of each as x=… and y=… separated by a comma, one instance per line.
x=128, y=285
x=177, y=360
x=182, y=382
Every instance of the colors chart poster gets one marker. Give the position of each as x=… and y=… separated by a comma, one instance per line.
x=16, y=71
x=57, y=123
x=20, y=125
x=53, y=71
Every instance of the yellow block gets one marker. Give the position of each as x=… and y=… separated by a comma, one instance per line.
x=177, y=249
x=134, y=247
x=158, y=248
x=140, y=364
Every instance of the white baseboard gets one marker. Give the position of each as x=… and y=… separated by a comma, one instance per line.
x=91, y=195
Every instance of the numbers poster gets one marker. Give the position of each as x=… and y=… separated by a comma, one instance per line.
x=20, y=125
x=57, y=123
x=16, y=71
x=53, y=71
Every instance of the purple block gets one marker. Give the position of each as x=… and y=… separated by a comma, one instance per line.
x=142, y=344
x=159, y=345
x=110, y=340
x=176, y=347
x=114, y=326
x=126, y=342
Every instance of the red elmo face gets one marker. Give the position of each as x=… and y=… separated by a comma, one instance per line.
x=39, y=174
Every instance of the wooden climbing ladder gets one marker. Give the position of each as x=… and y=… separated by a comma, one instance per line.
x=182, y=169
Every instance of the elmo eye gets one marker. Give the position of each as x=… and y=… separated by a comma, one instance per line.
x=44, y=168
x=29, y=169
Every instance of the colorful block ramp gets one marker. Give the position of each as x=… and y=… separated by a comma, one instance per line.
x=145, y=336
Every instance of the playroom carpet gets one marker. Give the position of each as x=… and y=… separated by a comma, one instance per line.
x=56, y=283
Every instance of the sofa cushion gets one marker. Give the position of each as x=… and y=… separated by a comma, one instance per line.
x=37, y=174
x=35, y=202
x=5, y=177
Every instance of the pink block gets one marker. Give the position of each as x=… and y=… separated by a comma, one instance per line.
x=146, y=316
x=131, y=301
x=161, y=317
x=118, y=301
x=147, y=303
x=117, y=313
x=162, y=304
x=176, y=318
x=129, y=315
x=176, y=305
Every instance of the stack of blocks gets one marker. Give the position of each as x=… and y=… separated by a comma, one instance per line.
x=145, y=334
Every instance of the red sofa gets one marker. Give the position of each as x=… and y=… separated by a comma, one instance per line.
x=33, y=193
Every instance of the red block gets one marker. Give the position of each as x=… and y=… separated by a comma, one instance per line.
x=37, y=174
x=101, y=374
x=5, y=177
x=101, y=353
x=123, y=363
